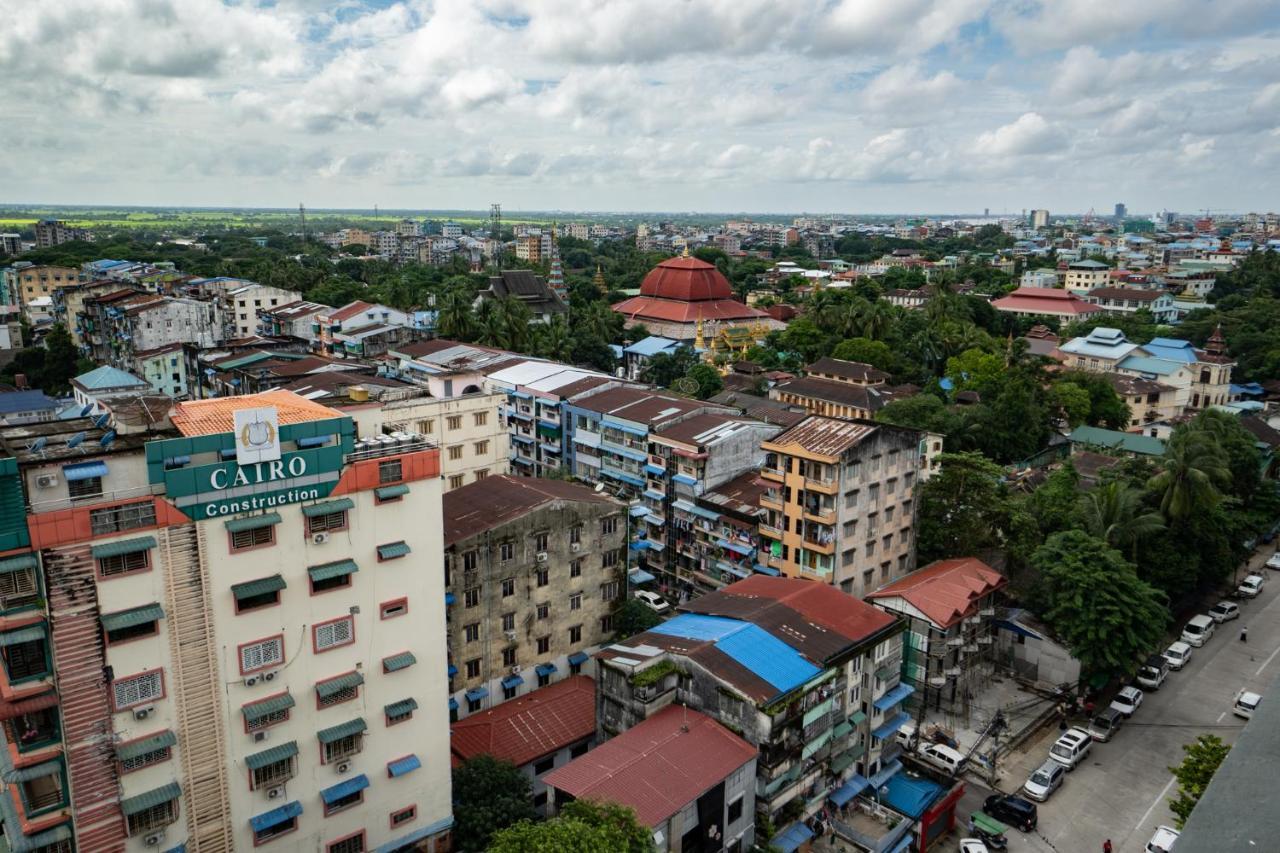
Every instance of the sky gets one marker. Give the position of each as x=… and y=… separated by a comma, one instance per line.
x=644, y=105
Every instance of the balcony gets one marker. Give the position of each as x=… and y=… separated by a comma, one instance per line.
x=825, y=516
x=817, y=544
x=772, y=474
x=770, y=531
x=826, y=487
x=771, y=500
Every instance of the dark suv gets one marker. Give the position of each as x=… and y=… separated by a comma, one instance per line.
x=1014, y=811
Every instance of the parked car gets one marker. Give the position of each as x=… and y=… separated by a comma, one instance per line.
x=1153, y=672
x=1162, y=841
x=1047, y=778
x=1071, y=748
x=944, y=758
x=1224, y=611
x=1104, y=725
x=1251, y=586
x=1273, y=562
x=1198, y=630
x=972, y=845
x=1012, y=810
x=652, y=600
x=1128, y=700
x=1177, y=655
x=1246, y=703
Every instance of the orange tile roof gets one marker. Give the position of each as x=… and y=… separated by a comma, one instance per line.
x=945, y=591
x=535, y=725
x=206, y=417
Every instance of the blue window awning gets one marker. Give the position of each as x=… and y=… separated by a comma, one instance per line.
x=655, y=520
x=886, y=773
x=344, y=789
x=626, y=428
x=453, y=670
x=626, y=478
x=891, y=726
x=401, y=766
x=453, y=704
x=638, y=510
x=766, y=570
x=578, y=658
x=654, y=496
x=266, y=820
x=903, y=845
x=689, y=506
x=653, y=546
x=448, y=598
x=546, y=668
x=655, y=470
x=850, y=789
x=684, y=479
x=790, y=839
x=641, y=576
x=513, y=681
x=893, y=697
x=84, y=470
x=475, y=694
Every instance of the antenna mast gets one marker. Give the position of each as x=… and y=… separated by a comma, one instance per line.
x=495, y=233
x=302, y=217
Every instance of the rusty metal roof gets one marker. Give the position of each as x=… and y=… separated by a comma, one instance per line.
x=823, y=436
x=493, y=501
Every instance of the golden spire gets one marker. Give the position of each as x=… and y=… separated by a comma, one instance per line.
x=698, y=342
x=598, y=281
x=685, y=254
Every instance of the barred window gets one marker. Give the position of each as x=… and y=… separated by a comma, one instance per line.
x=90, y=487
x=127, y=692
x=245, y=539
x=264, y=653
x=272, y=774
x=390, y=471
x=267, y=720
x=118, y=518
x=330, y=635
x=329, y=521
x=123, y=564
x=148, y=820
x=404, y=816
x=343, y=748
x=156, y=756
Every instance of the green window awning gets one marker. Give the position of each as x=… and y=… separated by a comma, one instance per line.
x=395, y=549
x=266, y=707
x=22, y=635
x=20, y=563
x=251, y=589
x=386, y=493
x=325, y=689
x=270, y=756
x=333, y=570
x=134, y=749
x=842, y=729
x=38, y=771
x=398, y=662
x=399, y=709
x=326, y=507
x=124, y=546
x=130, y=618
x=857, y=717
x=150, y=799
x=253, y=522
x=347, y=729
x=841, y=762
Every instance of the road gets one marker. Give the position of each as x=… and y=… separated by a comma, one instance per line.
x=1122, y=789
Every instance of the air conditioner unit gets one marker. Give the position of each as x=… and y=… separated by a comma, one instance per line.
x=575, y=547
x=515, y=670
x=47, y=481
x=343, y=767
x=542, y=556
x=268, y=676
x=320, y=538
x=259, y=737
x=251, y=680
x=144, y=711
x=155, y=839
x=275, y=793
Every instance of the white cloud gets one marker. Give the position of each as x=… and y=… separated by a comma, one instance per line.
x=1029, y=134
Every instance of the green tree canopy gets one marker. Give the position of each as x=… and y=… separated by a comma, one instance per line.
x=1203, y=758
x=964, y=508
x=50, y=365
x=864, y=350
x=1192, y=471
x=580, y=827
x=488, y=795
x=922, y=411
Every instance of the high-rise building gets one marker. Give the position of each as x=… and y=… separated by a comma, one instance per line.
x=55, y=232
x=206, y=635
x=1121, y=211
x=1039, y=218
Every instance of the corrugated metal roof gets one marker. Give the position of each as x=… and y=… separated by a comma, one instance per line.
x=763, y=654
x=336, y=569
x=333, y=686
x=823, y=436
x=253, y=522
x=946, y=590
x=326, y=507
x=270, y=705
x=532, y=726
x=493, y=501
x=398, y=662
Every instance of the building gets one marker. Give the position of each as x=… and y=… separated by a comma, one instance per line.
x=346, y=331
x=37, y=281
x=680, y=295
x=55, y=232
x=244, y=303
x=1085, y=437
x=636, y=357
x=948, y=607
x=165, y=369
x=1045, y=302
x=1130, y=300
x=1121, y=211
x=538, y=732
x=188, y=615
x=714, y=539
x=1101, y=350
x=528, y=288
x=841, y=504
x=1039, y=219
x=300, y=319
x=10, y=244
x=89, y=389
x=1149, y=401
x=1085, y=276
x=533, y=571
x=1026, y=647
x=147, y=323
x=688, y=778
x=27, y=407
x=840, y=389
x=1043, y=278
x=808, y=675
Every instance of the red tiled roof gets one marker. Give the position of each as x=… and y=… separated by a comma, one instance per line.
x=1045, y=300
x=686, y=279
x=206, y=417
x=681, y=311
x=526, y=729
x=349, y=310
x=945, y=591
x=657, y=767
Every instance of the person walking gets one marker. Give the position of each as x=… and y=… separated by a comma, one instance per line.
x=1244, y=633
x=1106, y=846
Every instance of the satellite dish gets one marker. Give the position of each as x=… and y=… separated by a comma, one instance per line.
x=685, y=385
x=75, y=440
x=101, y=420
x=599, y=488
x=86, y=410
x=109, y=437
x=38, y=445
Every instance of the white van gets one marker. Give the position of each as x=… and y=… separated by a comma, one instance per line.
x=1198, y=631
x=944, y=758
x=1071, y=748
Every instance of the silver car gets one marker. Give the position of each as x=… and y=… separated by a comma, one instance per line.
x=1047, y=779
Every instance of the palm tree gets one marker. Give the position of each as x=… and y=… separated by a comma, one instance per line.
x=456, y=319
x=1113, y=513
x=488, y=325
x=514, y=319
x=1193, y=469
x=554, y=341
x=876, y=319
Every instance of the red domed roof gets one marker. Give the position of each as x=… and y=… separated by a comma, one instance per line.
x=686, y=279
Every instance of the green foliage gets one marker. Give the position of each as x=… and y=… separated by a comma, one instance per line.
x=1054, y=505
x=864, y=350
x=49, y=366
x=654, y=674
x=1106, y=407
x=1070, y=402
x=964, y=508
x=1014, y=425
x=1203, y=758
x=1113, y=513
x=632, y=617
x=708, y=379
x=1193, y=469
x=665, y=368
x=975, y=370
x=581, y=827
x=488, y=795
x=803, y=337
x=923, y=411
x=1093, y=599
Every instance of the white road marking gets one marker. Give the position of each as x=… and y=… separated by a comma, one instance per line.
x=1266, y=662
x=1157, y=802
x=1220, y=716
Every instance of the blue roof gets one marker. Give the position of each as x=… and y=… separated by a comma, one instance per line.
x=763, y=654
x=911, y=796
x=1250, y=388
x=344, y=789
x=894, y=696
x=1157, y=366
x=1171, y=348
x=401, y=766
x=791, y=838
x=886, y=773
x=652, y=345
x=26, y=401
x=107, y=377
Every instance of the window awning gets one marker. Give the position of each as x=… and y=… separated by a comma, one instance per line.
x=253, y=522
x=639, y=575
x=891, y=726
x=22, y=635
x=258, y=760
x=656, y=470
x=345, y=788
x=252, y=589
x=393, y=550
x=123, y=546
x=893, y=697
x=886, y=773
x=266, y=820
x=151, y=798
x=326, y=507
x=448, y=598
x=513, y=681
x=790, y=839
x=578, y=657
x=399, y=709
x=546, y=668
x=133, y=749
x=84, y=470
x=684, y=480
x=338, y=732
x=401, y=766
x=398, y=662
x=333, y=686
x=453, y=670
x=386, y=493
x=337, y=569
x=266, y=707
x=842, y=729
x=36, y=771
x=453, y=704
x=850, y=789
x=638, y=510
x=475, y=694
x=133, y=617
x=20, y=563
x=9, y=710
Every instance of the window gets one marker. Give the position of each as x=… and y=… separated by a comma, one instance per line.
x=343, y=747
x=119, y=518
x=137, y=689
x=403, y=816
x=473, y=668
x=326, y=584
x=609, y=526
x=480, y=418
x=509, y=656
x=575, y=601
x=456, y=481
x=153, y=818
x=270, y=775
x=471, y=597
x=124, y=564
x=868, y=578
x=543, y=611
x=244, y=540
x=578, y=751
x=18, y=589
x=427, y=427
x=509, y=693
x=258, y=599
x=508, y=587
x=544, y=766
x=506, y=552
x=575, y=634
x=401, y=712
x=275, y=830
x=575, y=569
x=328, y=521
x=481, y=474
x=543, y=577
x=455, y=452
x=89, y=487
x=329, y=694
x=331, y=635
x=266, y=721
x=392, y=609
x=481, y=448
x=454, y=422
x=133, y=632
x=470, y=560
x=606, y=624
x=608, y=559
x=261, y=654
x=390, y=471
x=342, y=804
x=575, y=535
x=508, y=621
x=544, y=645
x=540, y=541
x=735, y=810
x=146, y=759
x=609, y=591
x=471, y=633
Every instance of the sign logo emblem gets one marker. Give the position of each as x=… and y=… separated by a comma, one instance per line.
x=257, y=434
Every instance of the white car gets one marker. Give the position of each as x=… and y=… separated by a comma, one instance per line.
x=1128, y=700
x=1177, y=655
x=1047, y=779
x=1246, y=703
x=1273, y=562
x=1251, y=586
x=1162, y=841
x=1224, y=611
x=652, y=600
x=972, y=845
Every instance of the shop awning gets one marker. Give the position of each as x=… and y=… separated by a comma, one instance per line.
x=401, y=766
x=327, y=507
x=252, y=589
x=891, y=726
x=253, y=522
x=258, y=760
x=392, y=550
x=277, y=816
x=894, y=696
x=337, y=569
x=150, y=799
x=133, y=617
x=338, y=732
x=266, y=707
x=123, y=546
x=345, y=788
x=334, y=686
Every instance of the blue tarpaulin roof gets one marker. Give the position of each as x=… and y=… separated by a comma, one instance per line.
x=765, y=570
x=891, y=726
x=903, y=844
x=652, y=345
x=266, y=820
x=850, y=789
x=638, y=510
x=911, y=795
x=641, y=576
x=344, y=789
x=894, y=696
x=684, y=479
x=401, y=766
x=791, y=838
x=759, y=651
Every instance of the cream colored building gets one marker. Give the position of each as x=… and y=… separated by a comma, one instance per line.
x=1084, y=276
x=34, y=282
x=244, y=303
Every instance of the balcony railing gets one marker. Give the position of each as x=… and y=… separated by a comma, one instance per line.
x=388, y=445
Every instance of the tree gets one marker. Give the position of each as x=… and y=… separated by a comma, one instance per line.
x=1093, y=599
x=963, y=508
x=864, y=350
x=632, y=618
x=665, y=368
x=456, y=319
x=709, y=381
x=1191, y=472
x=1203, y=758
x=581, y=827
x=1071, y=402
x=488, y=795
x=803, y=337
x=921, y=411
x=975, y=370
x=1113, y=512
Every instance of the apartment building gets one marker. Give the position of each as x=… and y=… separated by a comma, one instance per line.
x=533, y=572
x=841, y=506
x=150, y=322
x=244, y=303
x=298, y=319
x=1085, y=276
x=714, y=539
x=840, y=389
x=35, y=282
x=55, y=232
x=260, y=689
x=1130, y=300
x=342, y=330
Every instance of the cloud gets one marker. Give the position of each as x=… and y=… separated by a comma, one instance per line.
x=903, y=87
x=1029, y=134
